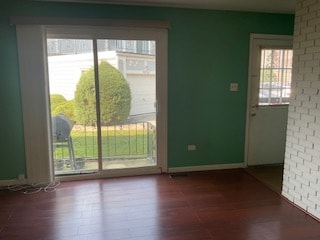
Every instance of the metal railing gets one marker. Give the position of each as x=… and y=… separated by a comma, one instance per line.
x=118, y=141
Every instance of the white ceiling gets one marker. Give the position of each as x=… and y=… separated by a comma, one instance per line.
x=271, y=6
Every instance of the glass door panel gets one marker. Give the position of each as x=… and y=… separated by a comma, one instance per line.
x=118, y=132
x=275, y=76
x=127, y=91
x=74, y=138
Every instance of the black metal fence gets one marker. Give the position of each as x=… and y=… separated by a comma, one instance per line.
x=117, y=141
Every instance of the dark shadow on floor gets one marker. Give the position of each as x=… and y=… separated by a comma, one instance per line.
x=270, y=175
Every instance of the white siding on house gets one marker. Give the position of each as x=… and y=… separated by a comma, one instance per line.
x=65, y=72
x=301, y=180
x=143, y=92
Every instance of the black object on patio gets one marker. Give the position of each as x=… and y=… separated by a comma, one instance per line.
x=61, y=133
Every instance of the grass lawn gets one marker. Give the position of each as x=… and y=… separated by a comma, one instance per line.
x=116, y=142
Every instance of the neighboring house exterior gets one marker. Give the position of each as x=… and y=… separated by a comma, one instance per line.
x=68, y=58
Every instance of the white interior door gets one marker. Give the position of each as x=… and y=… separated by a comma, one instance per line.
x=268, y=98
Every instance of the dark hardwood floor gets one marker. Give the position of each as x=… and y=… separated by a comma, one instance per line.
x=224, y=204
x=270, y=175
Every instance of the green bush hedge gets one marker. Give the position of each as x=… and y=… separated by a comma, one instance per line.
x=115, y=96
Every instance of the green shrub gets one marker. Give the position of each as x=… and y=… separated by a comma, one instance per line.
x=55, y=100
x=115, y=96
x=65, y=108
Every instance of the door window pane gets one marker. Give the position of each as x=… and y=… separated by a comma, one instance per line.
x=275, y=76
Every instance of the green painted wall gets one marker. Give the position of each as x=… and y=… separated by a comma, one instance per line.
x=207, y=51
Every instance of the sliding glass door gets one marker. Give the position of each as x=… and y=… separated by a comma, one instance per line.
x=103, y=100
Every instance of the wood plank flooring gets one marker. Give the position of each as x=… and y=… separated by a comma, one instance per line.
x=270, y=175
x=220, y=205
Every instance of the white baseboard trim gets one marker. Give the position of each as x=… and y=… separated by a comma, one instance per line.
x=117, y=174
x=206, y=167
